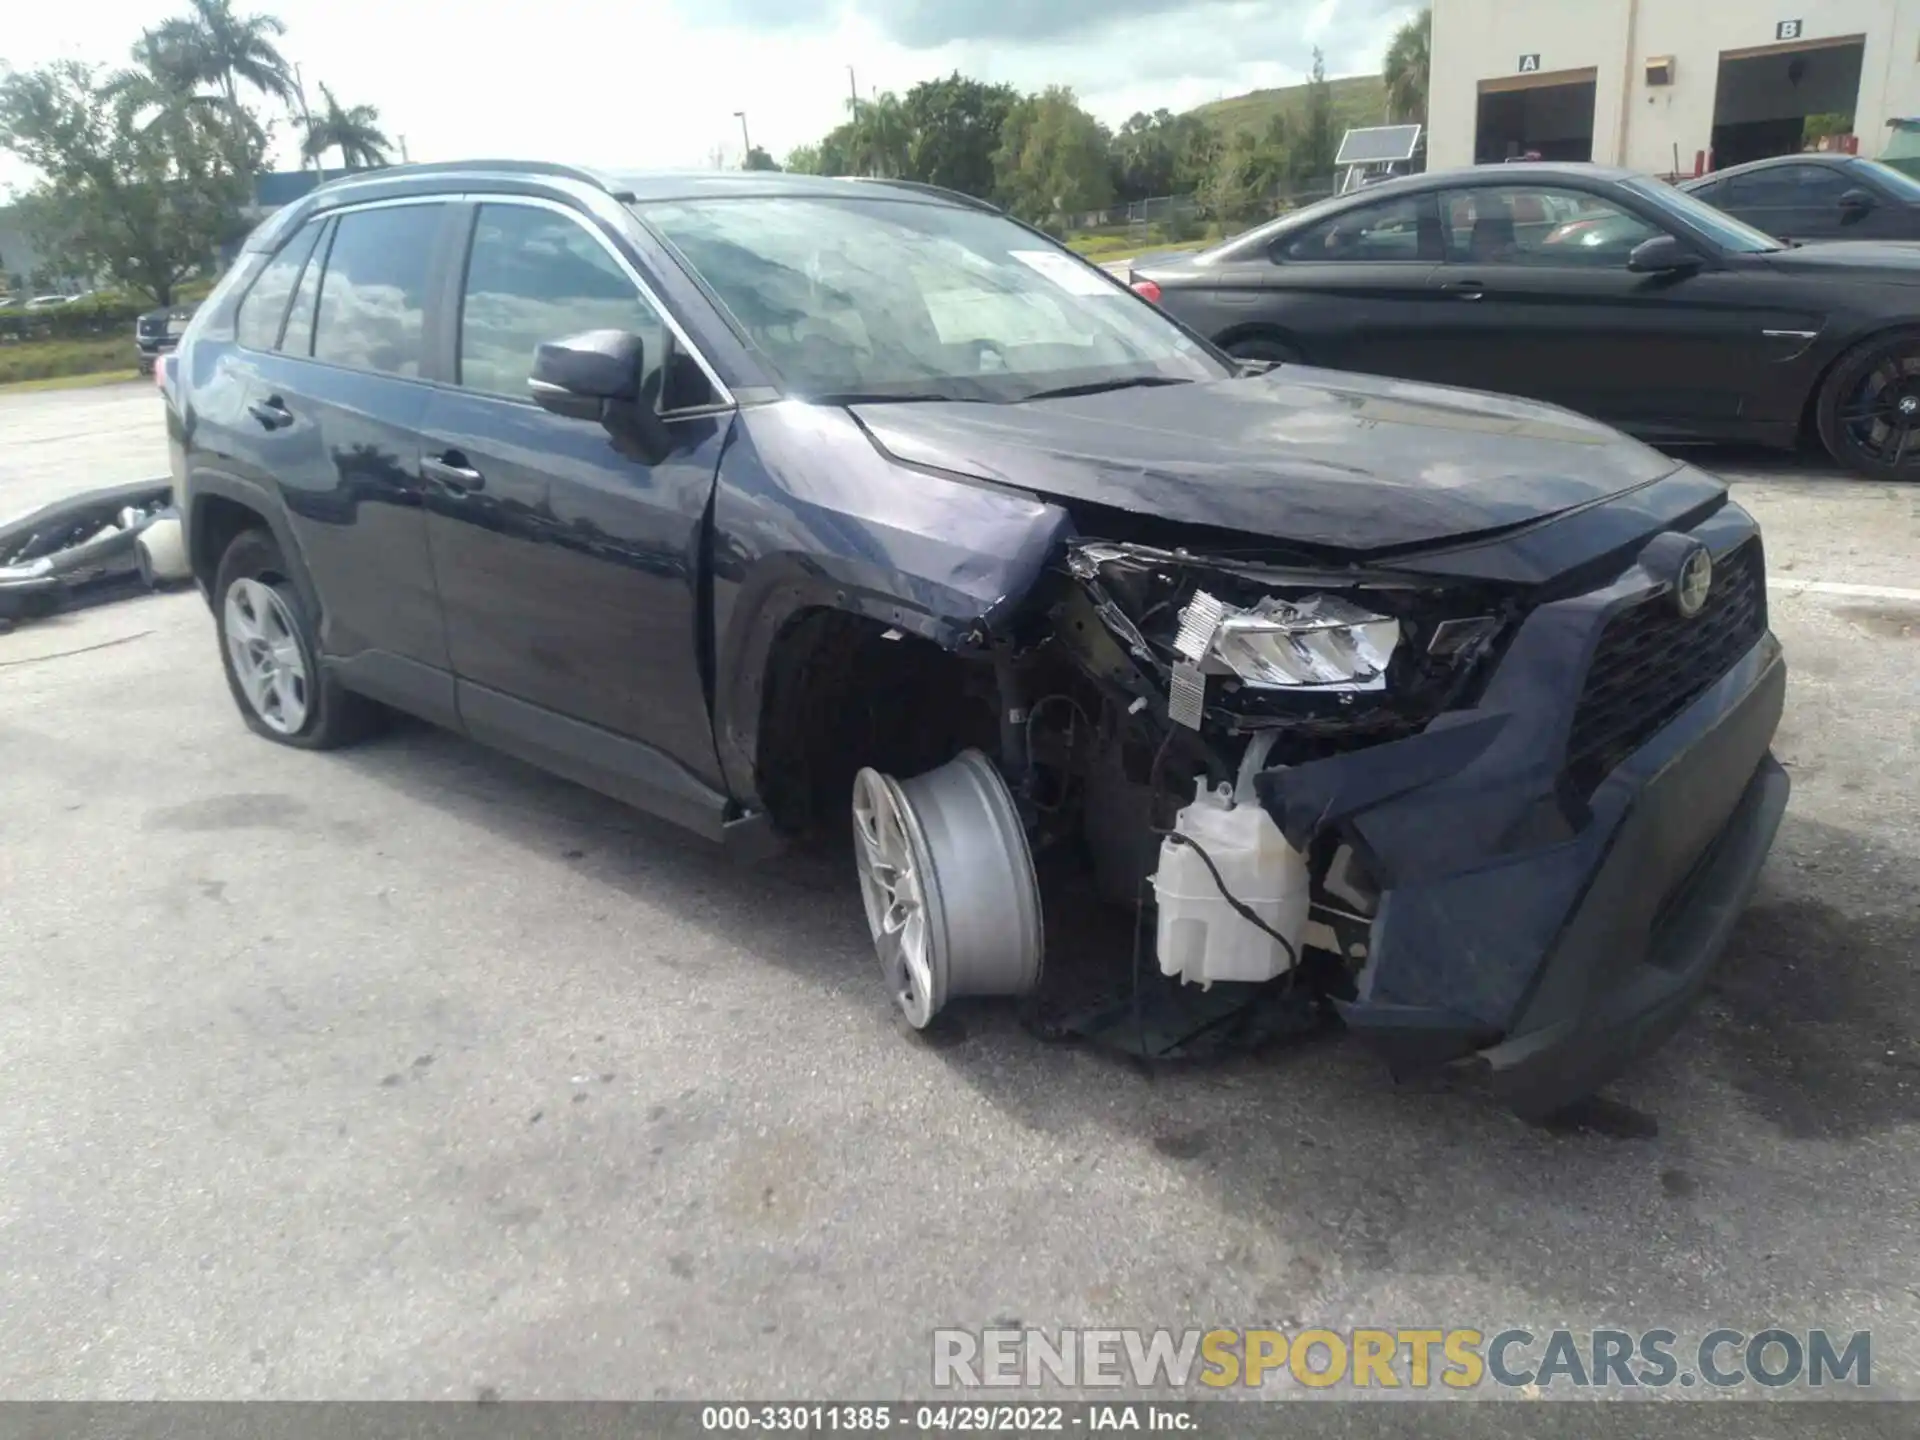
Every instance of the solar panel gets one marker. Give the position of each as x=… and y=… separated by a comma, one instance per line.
x=1378, y=144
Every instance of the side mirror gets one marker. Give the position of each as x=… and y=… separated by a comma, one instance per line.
x=582, y=374
x=1855, y=203
x=1662, y=255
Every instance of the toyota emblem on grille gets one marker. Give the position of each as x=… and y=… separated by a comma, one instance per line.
x=1695, y=581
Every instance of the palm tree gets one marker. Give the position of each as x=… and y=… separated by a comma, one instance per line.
x=353, y=130
x=157, y=98
x=1406, y=66
x=879, y=133
x=211, y=45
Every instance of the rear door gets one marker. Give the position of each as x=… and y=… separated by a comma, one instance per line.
x=1545, y=307
x=341, y=400
x=333, y=404
x=570, y=567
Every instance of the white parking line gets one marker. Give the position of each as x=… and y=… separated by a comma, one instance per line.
x=1835, y=587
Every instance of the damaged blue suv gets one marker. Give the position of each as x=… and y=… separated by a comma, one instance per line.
x=777, y=505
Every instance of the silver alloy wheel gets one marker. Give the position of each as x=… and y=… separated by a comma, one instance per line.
x=890, y=889
x=947, y=881
x=266, y=657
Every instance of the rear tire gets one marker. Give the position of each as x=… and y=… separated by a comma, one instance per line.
x=269, y=649
x=1868, y=414
x=1261, y=347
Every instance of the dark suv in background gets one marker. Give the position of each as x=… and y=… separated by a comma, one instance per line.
x=771, y=504
x=157, y=332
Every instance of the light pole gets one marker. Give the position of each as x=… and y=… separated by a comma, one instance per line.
x=746, y=145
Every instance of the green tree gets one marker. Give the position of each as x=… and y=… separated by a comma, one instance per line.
x=1053, y=158
x=1162, y=154
x=758, y=159
x=877, y=137
x=1313, y=152
x=1249, y=170
x=1199, y=145
x=1406, y=66
x=148, y=204
x=1145, y=154
x=953, y=129
x=805, y=160
x=353, y=130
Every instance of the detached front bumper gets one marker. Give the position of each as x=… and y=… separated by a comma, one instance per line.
x=1554, y=934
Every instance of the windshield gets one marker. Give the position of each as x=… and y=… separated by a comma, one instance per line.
x=1725, y=231
x=1898, y=181
x=898, y=299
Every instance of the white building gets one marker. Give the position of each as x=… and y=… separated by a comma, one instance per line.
x=1664, y=86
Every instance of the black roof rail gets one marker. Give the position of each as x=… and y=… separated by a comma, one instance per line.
x=972, y=202
x=496, y=167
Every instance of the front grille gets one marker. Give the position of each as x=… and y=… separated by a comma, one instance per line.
x=1651, y=663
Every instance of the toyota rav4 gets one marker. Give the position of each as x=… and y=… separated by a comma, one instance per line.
x=774, y=504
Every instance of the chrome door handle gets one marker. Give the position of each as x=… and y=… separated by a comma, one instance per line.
x=452, y=471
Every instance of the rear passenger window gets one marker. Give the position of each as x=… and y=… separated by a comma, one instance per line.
x=257, y=326
x=534, y=276
x=372, y=310
x=297, y=338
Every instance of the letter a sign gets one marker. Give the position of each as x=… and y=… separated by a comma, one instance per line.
x=1529, y=63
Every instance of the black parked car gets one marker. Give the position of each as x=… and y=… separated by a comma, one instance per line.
x=756, y=500
x=157, y=332
x=1816, y=197
x=1599, y=289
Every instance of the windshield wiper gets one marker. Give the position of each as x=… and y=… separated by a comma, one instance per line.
x=1096, y=387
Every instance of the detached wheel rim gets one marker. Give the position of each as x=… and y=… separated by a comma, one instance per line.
x=891, y=888
x=1883, y=411
x=266, y=655
x=948, y=884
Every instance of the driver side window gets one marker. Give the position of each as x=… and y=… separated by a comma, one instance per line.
x=1539, y=225
x=534, y=275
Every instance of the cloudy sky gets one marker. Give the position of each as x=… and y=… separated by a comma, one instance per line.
x=631, y=84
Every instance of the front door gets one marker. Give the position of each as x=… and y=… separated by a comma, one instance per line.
x=569, y=566
x=1543, y=306
x=1351, y=289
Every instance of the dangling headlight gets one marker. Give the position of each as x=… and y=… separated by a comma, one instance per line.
x=1319, y=642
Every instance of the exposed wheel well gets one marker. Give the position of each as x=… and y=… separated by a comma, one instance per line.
x=840, y=694
x=216, y=520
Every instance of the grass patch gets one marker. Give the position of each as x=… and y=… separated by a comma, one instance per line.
x=68, y=382
x=62, y=359
x=1105, y=249
x=1358, y=100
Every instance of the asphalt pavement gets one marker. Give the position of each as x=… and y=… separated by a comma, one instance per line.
x=407, y=1071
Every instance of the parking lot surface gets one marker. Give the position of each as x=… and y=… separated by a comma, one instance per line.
x=56, y=442
x=406, y=1071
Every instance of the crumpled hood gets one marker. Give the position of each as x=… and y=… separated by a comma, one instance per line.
x=1317, y=457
